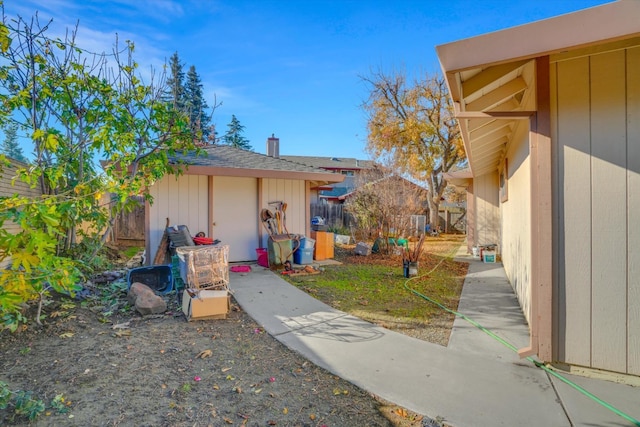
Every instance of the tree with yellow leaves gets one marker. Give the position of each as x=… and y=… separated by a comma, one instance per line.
x=413, y=128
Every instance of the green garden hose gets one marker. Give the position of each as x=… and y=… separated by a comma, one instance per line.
x=514, y=349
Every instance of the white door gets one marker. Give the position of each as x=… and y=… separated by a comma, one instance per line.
x=235, y=215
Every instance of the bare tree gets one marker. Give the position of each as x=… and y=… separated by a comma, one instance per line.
x=413, y=128
x=383, y=205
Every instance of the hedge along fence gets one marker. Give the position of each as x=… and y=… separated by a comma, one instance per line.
x=8, y=188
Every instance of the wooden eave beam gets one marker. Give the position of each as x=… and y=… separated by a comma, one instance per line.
x=487, y=76
x=492, y=155
x=489, y=139
x=497, y=96
x=489, y=128
x=509, y=115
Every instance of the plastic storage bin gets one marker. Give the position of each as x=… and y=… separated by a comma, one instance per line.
x=157, y=277
x=303, y=256
x=307, y=242
x=489, y=256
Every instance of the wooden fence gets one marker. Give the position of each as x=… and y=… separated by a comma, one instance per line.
x=333, y=214
x=129, y=227
x=451, y=221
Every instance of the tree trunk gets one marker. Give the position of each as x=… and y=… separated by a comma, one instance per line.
x=434, y=217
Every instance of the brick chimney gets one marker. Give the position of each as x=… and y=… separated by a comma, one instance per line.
x=273, y=146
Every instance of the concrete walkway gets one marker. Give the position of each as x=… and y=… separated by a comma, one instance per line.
x=475, y=381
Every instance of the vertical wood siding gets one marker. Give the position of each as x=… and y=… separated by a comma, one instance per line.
x=516, y=218
x=291, y=192
x=184, y=200
x=608, y=211
x=633, y=208
x=487, y=217
x=597, y=186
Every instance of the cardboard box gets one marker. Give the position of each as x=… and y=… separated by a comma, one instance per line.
x=206, y=305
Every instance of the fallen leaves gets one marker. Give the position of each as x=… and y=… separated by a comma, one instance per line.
x=401, y=412
x=66, y=335
x=204, y=354
x=124, y=325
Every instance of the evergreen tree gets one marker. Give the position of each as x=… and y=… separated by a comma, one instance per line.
x=234, y=136
x=175, y=83
x=10, y=145
x=195, y=104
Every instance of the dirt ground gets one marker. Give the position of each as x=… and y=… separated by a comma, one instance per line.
x=165, y=371
x=125, y=369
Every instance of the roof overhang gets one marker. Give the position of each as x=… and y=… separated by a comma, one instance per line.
x=316, y=179
x=491, y=77
x=459, y=178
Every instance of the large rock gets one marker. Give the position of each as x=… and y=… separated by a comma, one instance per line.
x=145, y=300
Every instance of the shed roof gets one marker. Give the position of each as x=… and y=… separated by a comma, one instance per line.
x=224, y=160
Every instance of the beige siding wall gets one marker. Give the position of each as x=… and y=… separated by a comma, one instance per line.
x=595, y=107
x=184, y=200
x=235, y=207
x=294, y=194
x=516, y=218
x=487, y=211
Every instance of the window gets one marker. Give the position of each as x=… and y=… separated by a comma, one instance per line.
x=347, y=172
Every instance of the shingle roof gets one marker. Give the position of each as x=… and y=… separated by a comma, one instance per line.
x=225, y=156
x=224, y=160
x=331, y=162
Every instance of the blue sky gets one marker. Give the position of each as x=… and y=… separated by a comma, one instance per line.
x=290, y=67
